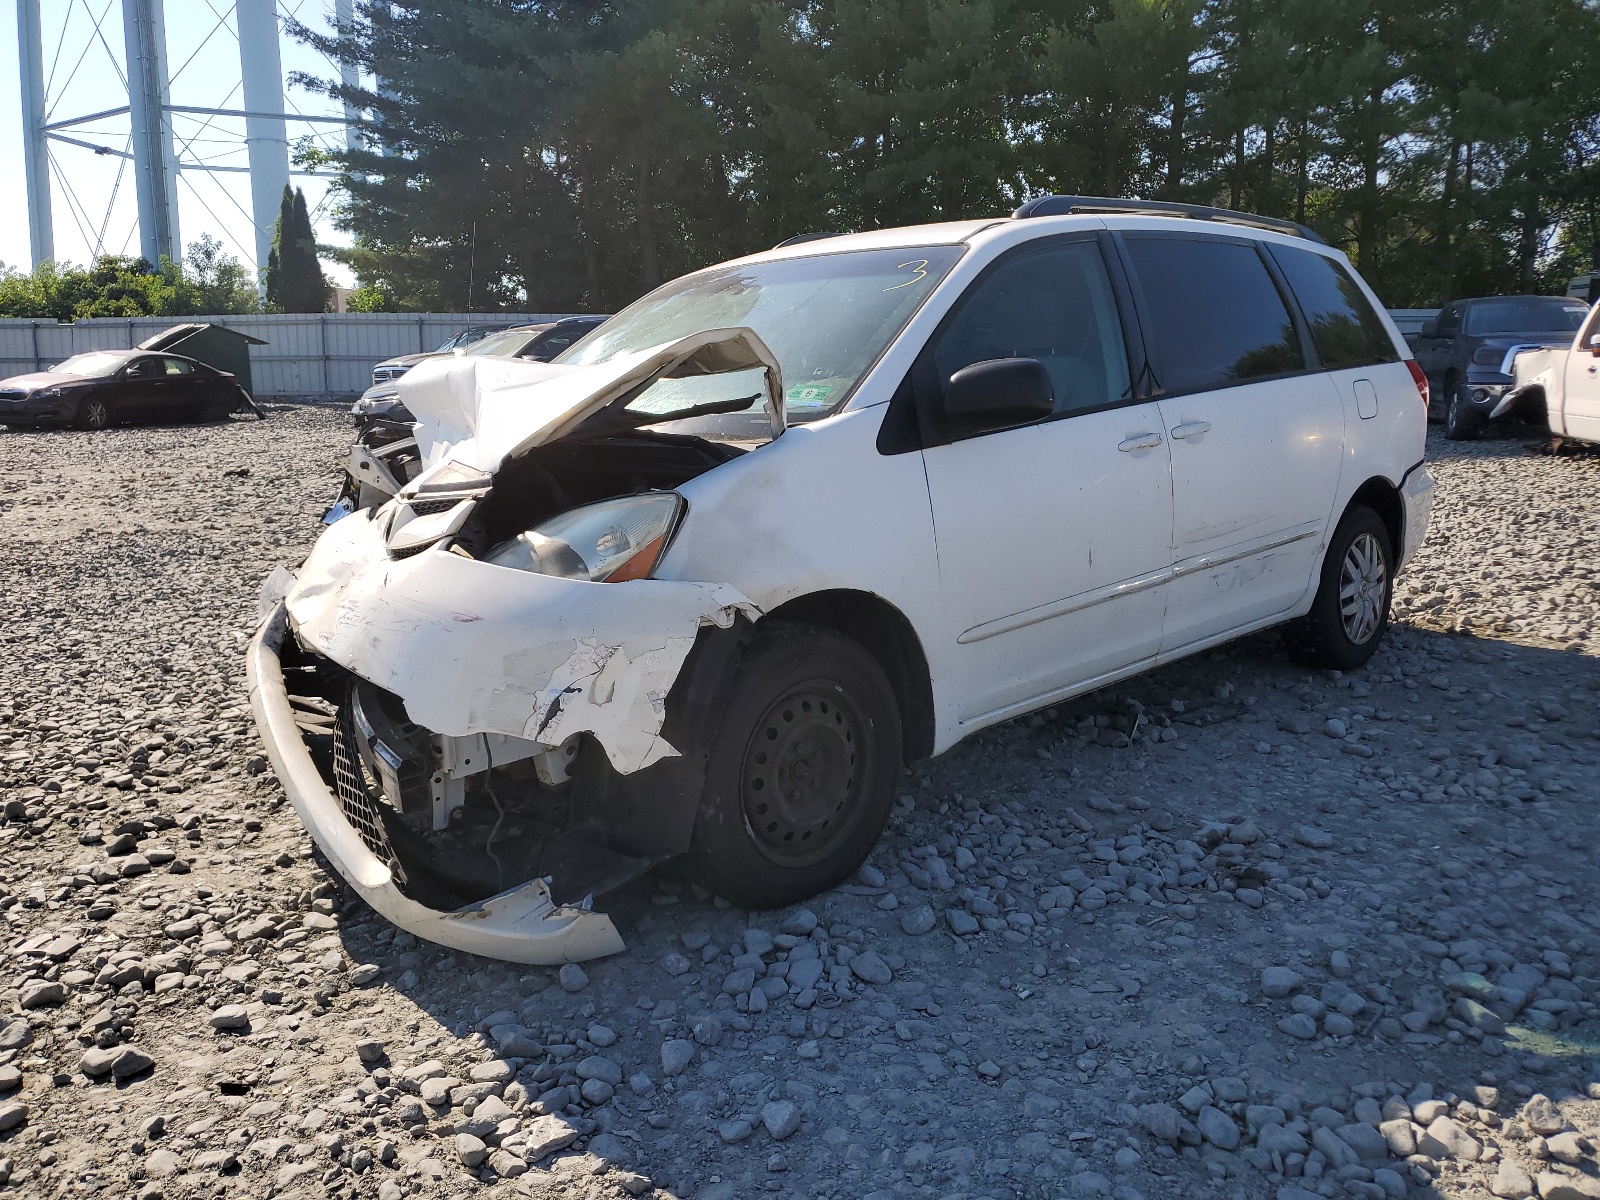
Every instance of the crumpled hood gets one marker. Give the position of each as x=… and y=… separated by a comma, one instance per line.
x=481, y=410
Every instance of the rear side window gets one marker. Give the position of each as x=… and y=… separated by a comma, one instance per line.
x=1344, y=328
x=1218, y=317
x=1055, y=305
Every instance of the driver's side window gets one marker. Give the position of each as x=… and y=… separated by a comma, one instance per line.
x=144, y=368
x=1053, y=304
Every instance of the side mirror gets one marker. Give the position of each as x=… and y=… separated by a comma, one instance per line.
x=1430, y=329
x=998, y=393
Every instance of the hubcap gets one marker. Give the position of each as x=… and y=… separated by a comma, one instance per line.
x=96, y=416
x=1363, y=585
x=800, y=778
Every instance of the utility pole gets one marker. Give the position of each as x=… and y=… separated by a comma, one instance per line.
x=154, y=164
x=35, y=150
x=261, y=73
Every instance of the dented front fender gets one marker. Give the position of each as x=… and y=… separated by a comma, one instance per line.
x=472, y=647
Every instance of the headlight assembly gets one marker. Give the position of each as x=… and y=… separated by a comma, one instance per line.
x=609, y=542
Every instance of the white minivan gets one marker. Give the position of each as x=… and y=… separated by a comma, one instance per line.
x=707, y=583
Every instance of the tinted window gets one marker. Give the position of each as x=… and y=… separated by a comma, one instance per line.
x=1525, y=314
x=146, y=368
x=1344, y=328
x=1218, y=317
x=1055, y=305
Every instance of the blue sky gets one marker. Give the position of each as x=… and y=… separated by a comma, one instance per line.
x=203, y=65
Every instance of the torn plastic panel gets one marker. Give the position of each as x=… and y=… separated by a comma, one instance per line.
x=521, y=923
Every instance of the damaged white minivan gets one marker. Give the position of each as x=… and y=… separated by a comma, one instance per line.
x=707, y=583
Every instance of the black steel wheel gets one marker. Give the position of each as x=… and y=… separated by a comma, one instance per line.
x=801, y=774
x=1462, y=422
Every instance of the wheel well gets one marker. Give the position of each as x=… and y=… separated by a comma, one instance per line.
x=888, y=636
x=1381, y=497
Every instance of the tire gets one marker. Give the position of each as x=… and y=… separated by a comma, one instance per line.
x=802, y=772
x=1342, y=630
x=93, y=413
x=1462, y=422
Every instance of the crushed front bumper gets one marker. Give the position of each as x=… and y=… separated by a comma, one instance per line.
x=520, y=925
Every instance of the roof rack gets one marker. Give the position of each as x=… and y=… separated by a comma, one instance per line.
x=804, y=237
x=1062, y=206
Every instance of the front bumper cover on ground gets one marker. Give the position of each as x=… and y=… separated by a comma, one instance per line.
x=520, y=925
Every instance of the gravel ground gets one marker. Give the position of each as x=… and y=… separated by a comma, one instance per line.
x=1230, y=930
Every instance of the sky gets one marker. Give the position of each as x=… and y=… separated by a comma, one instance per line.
x=95, y=211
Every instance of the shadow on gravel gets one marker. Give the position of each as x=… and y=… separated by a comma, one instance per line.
x=1410, y=843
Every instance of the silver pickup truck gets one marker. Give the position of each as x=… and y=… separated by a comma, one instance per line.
x=1561, y=383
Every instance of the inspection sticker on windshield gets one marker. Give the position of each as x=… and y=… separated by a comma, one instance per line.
x=809, y=395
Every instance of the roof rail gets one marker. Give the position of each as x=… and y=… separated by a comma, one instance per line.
x=804, y=237
x=1062, y=206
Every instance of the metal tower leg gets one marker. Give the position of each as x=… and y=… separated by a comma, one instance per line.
x=147, y=95
x=344, y=18
x=35, y=150
x=261, y=72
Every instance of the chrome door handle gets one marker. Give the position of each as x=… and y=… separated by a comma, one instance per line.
x=1191, y=429
x=1139, y=441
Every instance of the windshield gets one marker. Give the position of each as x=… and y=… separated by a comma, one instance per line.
x=826, y=318
x=91, y=366
x=1525, y=314
x=509, y=342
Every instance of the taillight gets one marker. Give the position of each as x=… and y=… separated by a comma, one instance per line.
x=1421, y=380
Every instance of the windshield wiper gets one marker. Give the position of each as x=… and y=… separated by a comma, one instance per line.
x=619, y=420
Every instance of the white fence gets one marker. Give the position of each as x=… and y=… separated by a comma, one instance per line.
x=314, y=354
x=311, y=354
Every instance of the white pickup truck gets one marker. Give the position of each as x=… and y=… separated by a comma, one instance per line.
x=1564, y=383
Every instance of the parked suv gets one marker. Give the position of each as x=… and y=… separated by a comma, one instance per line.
x=1466, y=351
x=705, y=584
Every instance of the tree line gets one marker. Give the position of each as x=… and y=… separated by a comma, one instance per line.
x=559, y=155
x=208, y=281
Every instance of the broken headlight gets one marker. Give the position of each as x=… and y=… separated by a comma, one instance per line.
x=608, y=542
x=600, y=543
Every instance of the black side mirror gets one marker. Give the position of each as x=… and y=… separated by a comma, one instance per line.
x=1430, y=329
x=998, y=393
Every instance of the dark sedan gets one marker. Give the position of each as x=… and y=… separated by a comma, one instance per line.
x=101, y=388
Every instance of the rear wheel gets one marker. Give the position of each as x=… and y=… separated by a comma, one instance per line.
x=1351, y=611
x=1462, y=422
x=94, y=413
x=802, y=772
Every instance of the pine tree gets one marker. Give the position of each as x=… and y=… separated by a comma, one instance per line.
x=294, y=276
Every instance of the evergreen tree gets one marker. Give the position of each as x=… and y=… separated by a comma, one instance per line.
x=1449, y=146
x=295, y=282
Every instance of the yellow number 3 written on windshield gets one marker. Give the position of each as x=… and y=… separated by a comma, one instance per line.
x=919, y=265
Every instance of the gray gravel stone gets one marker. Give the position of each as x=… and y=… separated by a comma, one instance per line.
x=781, y=1118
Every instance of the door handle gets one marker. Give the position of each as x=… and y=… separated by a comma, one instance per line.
x=1191, y=429
x=1592, y=370
x=1139, y=441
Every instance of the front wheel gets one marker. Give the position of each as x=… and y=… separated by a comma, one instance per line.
x=94, y=413
x=1351, y=611
x=802, y=772
x=1462, y=422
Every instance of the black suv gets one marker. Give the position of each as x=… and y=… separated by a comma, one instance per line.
x=1466, y=352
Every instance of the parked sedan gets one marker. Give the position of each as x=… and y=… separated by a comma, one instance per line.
x=391, y=369
x=101, y=388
